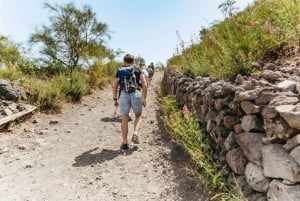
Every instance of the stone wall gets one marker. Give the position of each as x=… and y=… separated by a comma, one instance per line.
x=255, y=121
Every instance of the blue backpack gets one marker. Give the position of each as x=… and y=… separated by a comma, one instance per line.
x=129, y=79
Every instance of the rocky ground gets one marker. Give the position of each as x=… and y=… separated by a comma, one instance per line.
x=75, y=156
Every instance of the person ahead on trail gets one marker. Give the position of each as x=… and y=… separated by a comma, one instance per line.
x=133, y=92
x=150, y=71
x=145, y=72
x=152, y=66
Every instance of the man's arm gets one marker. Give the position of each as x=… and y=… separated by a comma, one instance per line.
x=115, y=90
x=144, y=89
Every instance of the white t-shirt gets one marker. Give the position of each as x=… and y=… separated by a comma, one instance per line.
x=145, y=72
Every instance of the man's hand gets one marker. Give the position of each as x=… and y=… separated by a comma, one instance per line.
x=116, y=103
x=144, y=103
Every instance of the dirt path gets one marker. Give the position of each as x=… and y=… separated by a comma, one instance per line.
x=75, y=156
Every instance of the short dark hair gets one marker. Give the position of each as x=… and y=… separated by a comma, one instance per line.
x=128, y=58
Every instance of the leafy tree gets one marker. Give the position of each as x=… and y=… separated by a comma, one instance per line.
x=139, y=60
x=228, y=8
x=9, y=52
x=118, y=52
x=74, y=37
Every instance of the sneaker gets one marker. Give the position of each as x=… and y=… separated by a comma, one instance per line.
x=135, y=139
x=124, y=147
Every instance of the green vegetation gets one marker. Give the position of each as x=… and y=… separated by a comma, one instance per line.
x=186, y=132
x=262, y=32
x=10, y=73
x=228, y=8
x=139, y=60
x=9, y=52
x=73, y=38
x=72, y=60
x=46, y=95
x=101, y=74
x=50, y=94
x=265, y=31
x=72, y=87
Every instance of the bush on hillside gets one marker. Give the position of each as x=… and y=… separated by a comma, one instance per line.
x=72, y=86
x=101, y=74
x=11, y=74
x=46, y=95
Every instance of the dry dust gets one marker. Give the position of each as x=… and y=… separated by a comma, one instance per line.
x=75, y=156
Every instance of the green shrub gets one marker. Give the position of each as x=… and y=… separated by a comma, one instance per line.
x=46, y=95
x=111, y=68
x=101, y=74
x=10, y=73
x=73, y=86
x=96, y=75
x=50, y=94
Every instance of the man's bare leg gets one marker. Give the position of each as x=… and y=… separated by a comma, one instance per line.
x=137, y=123
x=124, y=128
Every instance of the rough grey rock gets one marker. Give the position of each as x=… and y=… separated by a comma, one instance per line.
x=250, y=144
x=291, y=114
x=236, y=161
x=270, y=75
x=238, y=128
x=287, y=85
x=283, y=99
x=247, y=95
x=278, y=129
x=280, y=192
x=295, y=153
x=265, y=96
x=292, y=143
x=9, y=91
x=249, y=108
x=257, y=197
x=240, y=181
x=270, y=66
x=252, y=123
x=286, y=166
x=269, y=112
x=230, y=142
x=229, y=121
x=255, y=178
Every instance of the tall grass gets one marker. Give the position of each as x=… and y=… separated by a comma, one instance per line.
x=46, y=94
x=186, y=132
x=72, y=86
x=50, y=94
x=229, y=47
x=11, y=74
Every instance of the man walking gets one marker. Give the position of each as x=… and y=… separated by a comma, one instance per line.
x=150, y=71
x=133, y=92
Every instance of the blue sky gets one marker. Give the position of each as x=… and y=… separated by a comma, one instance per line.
x=145, y=28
